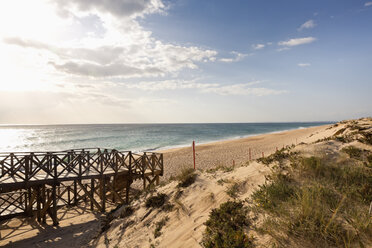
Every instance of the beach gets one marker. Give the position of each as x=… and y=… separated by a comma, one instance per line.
x=208, y=156
x=236, y=151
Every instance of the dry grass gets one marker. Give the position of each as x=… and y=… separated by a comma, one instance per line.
x=186, y=178
x=310, y=202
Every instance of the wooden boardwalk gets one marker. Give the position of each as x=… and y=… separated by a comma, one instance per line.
x=40, y=182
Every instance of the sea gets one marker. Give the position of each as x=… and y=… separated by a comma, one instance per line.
x=134, y=137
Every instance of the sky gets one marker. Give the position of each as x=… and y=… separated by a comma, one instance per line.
x=184, y=61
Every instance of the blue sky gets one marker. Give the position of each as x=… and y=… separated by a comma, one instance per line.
x=185, y=61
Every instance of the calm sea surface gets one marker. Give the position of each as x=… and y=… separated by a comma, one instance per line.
x=135, y=137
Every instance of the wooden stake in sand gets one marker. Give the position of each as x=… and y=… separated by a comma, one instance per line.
x=250, y=157
x=193, y=152
x=263, y=155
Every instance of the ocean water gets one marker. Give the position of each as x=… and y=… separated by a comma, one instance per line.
x=134, y=137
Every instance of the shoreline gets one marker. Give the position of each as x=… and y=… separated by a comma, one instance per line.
x=171, y=148
x=178, y=147
x=238, y=151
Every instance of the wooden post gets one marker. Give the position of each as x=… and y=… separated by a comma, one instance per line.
x=127, y=190
x=54, y=195
x=68, y=196
x=29, y=213
x=157, y=180
x=130, y=164
x=144, y=170
x=233, y=163
x=161, y=164
x=250, y=155
x=153, y=164
x=75, y=193
x=44, y=195
x=103, y=184
x=263, y=155
x=26, y=203
x=193, y=152
x=91, y=193
x=113, y=186
x=38, y=202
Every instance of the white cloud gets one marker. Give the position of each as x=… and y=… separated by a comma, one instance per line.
x=304, y=64
x=238, y=57
x=119, y=9
x=367, y=4
x=258, y=46
x=242, y=90
x=169, y=85
x=124, y=49
x=307, y=25
x=216, y=88
x=297, y=41
x=283, y=49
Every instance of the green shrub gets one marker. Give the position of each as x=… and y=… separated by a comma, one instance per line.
x=156, y=201
x=126, y=211
x=233, y=190
x=225, y=227
x=186, y=178
x=367, y=139
x=221, y=168
x=369, y=158
x=353, y=152
x=221, y=181
x=272, y=194
x=341, y=139
x=279, y=156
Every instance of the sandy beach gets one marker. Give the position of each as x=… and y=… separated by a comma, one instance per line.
x=225, y=153
x=21, y=232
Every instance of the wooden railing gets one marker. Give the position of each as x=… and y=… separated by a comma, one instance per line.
x=43, y=181
x=35, y=167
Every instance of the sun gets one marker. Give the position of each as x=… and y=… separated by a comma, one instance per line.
x=22, y=68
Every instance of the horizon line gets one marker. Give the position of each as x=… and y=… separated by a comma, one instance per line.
x=165, y=123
